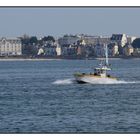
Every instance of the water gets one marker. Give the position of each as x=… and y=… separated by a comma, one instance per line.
x=42, y=97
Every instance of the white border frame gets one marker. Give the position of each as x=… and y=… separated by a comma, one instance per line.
x=69, y=3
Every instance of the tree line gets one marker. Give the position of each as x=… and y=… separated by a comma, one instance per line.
x=30, y=45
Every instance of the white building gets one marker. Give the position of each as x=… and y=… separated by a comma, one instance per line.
x=113, y=49
x=120, y=39
x=81, y=42
x=10, y=47
x=58, y=50
x=40, y=51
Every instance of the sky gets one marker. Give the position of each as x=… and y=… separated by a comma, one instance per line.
x=59, y=21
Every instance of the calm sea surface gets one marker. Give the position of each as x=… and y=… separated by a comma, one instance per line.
x=42, y=97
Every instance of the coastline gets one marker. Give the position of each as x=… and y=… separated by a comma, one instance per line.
x=61, y=58
x=26, y=59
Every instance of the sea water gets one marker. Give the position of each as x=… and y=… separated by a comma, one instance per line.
x=43, y=97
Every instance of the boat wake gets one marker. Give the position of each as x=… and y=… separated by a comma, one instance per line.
x=63, y=82
x=103, y=81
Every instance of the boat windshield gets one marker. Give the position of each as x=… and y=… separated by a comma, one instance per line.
x=99, y=71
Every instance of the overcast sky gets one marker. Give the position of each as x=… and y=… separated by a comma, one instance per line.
x=59, y=21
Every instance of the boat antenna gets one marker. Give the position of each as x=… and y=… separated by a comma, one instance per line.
x=106, y=55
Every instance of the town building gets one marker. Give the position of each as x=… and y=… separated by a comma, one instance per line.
x=128, y=50
x=40, y=52
x=81, y=42
x=82, y=50
x=68, y=40
x=69, y=50
x=113, y=49
x=99, y=50
x=120, y=39
x=49, y=50
x=10, y=47
x=94, y=40
x=79, y=50
x=136, y=51
x=58, y=50
x=130, y=39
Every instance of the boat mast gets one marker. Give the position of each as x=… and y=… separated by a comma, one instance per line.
x=106, y=55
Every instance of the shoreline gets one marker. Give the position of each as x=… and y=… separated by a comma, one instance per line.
x=50, y=58
x=26, y=59
x=58, y=59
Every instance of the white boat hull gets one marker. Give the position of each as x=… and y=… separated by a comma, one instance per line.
x=94, y=79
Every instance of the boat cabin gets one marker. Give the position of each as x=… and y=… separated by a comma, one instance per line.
x=101, y=71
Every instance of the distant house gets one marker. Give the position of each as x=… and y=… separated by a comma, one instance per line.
x=136, y=51
x=58, y=50
x=40, y=51
x=68, y=40
x=99, y=50
x=94, y=40
x=10, y=47
x=69, y=50
x=128, y=50
x=64, y=50
x=130, y=39
x=82, y=50
x=113, y=49
x=79, y=50
x=50, y=50
x=81, y=42
x=120, y=39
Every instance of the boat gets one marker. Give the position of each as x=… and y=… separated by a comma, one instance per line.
x=100, y=74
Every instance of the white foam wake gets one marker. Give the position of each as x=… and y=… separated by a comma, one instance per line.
x=90, y=81
x=63, y=82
